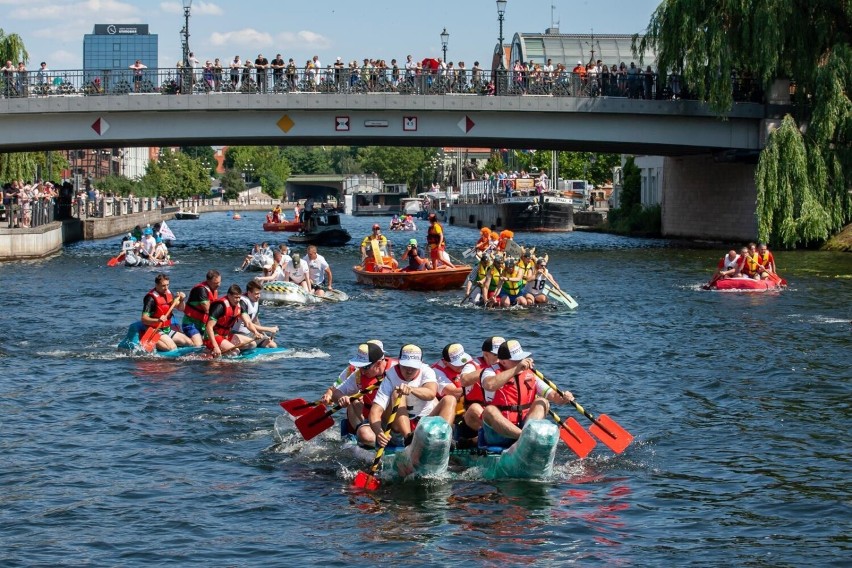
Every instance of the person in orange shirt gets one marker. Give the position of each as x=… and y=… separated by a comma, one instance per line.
x=484, y=242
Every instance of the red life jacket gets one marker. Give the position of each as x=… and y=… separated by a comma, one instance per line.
x=515, y=397
x=195, y=313
x=474, y=393
x=450, y=373
x=226, y=322
x=364, y=382
x=163, y=303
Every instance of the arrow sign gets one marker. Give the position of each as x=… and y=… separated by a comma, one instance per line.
x=100, y=126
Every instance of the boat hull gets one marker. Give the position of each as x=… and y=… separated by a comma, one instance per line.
x=286, y=293
x=288, y=226
x=548, y=213
x=184, y=215
x=327, y=238
x=421, y=280
x=748, y=284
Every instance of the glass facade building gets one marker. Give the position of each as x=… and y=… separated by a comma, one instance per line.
x=110, y=50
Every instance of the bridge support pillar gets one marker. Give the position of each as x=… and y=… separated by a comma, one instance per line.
x=706, y=199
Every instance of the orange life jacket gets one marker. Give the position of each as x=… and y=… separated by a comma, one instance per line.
x=163, y=302
x=226, y=322
x=193, y=312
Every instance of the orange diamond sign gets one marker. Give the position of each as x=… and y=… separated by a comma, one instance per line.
x=285, y=123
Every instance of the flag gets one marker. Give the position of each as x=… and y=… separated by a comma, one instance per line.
x=166, y=233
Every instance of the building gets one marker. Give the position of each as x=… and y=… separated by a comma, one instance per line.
x=569, y=49
x=108, y=53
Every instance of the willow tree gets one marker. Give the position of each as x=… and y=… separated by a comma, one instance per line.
x=12, y=48
x=803, y=174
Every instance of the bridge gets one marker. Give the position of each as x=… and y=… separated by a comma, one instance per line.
x=709, y=162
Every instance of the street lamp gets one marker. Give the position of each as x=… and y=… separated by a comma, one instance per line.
x=445, y=37
x=501, y=69
x=187, y=4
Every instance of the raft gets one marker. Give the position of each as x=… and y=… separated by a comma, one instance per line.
x=284, y=293
x=749, y=284
x=131, y=343
x=531, y=457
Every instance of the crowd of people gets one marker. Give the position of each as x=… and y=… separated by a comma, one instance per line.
x=19, y=201
x=494, y=394
x=312, y=273
x=753, y=261
x=413, y=259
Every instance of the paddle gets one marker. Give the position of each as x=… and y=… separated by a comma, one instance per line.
x=562, y=297
x=366, y=479
x=149, y=340
x=116, y=259
x=297, y=406
x=604, y=428
x=317, y=420
x=574, y=436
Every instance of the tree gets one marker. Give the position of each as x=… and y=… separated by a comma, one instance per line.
x=803, y=177
x=232, y=184
x=12, y=48
x=174, y=176
x=631, y=185
x=397, y=165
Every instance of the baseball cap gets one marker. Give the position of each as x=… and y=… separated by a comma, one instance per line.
x=410, y=356
x=368, y=353
x=492, y=344
x=295, y=258
x=378, y=344
x=454, y=353
x=412, y=242
x=268, y=264
x=512, y=350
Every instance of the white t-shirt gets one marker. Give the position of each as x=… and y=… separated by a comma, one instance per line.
x=416, y=406
x=250, y=309
x=296, y=274
x=317, y=268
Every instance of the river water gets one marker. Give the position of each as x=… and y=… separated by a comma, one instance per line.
x=739, y=403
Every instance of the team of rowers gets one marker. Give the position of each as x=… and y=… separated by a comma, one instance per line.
x=144, y=248
x=753, y=261
x=503, y=280
x=492, y=395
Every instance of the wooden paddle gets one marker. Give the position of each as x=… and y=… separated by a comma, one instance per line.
x=574, y=436
x=318, y=419
x=367, y=479
x=152, y=335
x=116, y=259
x=604, y=428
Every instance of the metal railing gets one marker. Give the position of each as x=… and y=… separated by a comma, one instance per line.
x=507, y=82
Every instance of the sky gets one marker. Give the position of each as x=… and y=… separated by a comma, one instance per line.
x=52, y=30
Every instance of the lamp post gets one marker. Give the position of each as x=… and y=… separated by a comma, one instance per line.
x=445, y=37
x=187, y=82
x=501, y=69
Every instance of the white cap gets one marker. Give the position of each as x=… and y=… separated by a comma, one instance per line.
x=456, y=355
x=512, y=350
x=410, y=356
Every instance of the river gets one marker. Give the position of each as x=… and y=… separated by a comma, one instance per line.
x=739, y=404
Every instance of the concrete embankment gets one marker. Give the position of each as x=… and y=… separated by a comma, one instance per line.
x=45, y=240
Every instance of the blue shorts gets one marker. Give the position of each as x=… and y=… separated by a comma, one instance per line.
x=513, y=298
x=492, y=438
x=189, y=330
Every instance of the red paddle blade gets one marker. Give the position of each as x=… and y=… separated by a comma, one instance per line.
x=365, y=481
x=113, y=261
x=149, y=340
x=314, y=422
x=611, y=433
x=297, y=406
x=576, y=438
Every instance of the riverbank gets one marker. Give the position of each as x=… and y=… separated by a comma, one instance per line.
x=841, y=242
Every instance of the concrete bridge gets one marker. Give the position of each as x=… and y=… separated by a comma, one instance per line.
x=709, y=162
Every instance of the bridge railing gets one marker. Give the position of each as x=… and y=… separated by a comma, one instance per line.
x=173, y=81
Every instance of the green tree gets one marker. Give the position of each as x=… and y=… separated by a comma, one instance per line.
x=807, y=41
x=174, y=176
x=631, y=185
x=308, y=160
x=12, y=48
x=398, y=165
x=232, y=184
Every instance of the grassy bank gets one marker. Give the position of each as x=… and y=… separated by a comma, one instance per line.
x=841, y=242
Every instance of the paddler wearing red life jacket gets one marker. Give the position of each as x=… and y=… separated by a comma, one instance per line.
x=415, y=381
x=368, y=368
x=224, y=313
x=448, y=370
x=198, y=305
x=155, y=313
x=515, y=395
x=474, y=396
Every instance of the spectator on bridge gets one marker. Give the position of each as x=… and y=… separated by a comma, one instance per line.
x=207, y=75
x=292, y=74
x=649, y=77
x=22, y=80
x=236, y=68
x=217, y=75
x=247, y=80
x=138, y=68
x=277, y=66
x=8, y=71
x=634, y=86
x=43, y=75
x=260, y=66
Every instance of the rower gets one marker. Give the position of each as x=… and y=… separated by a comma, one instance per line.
x=156, y=307
x=198, y=305
x=536, y=283
x=448, y=372
x=514, y=395
x=218, y=330
x=248, y=324
x=474, y=397
x=417, y=383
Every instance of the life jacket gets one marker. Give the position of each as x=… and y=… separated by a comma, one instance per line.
x=453, y=375
x=764, y=259
x=364, y=382
x=474, y=392
x=433, y=235
x=750, y=266
x=513, y=287
x=163, y=302
x=482, y=270
x=251, y=309
x=495, y=279
x=226, y=322
x=193, y=312
x=514, y=398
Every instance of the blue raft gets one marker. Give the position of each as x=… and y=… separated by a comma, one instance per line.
x=131, y=343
